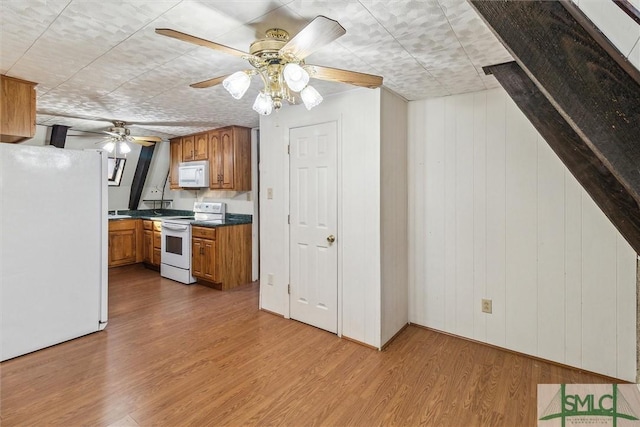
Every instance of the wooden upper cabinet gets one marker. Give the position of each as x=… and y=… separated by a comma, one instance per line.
x=230, y=158
x=17, y=109
x=201, y=146
x=176, y=158
x=227, y=159
x=188, y=148
x=215, y=154
x=228, y=151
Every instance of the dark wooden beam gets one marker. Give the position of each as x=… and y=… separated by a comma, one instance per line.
x=585, y=82
x=603, y=187
x=140, y=176
x=58, y=135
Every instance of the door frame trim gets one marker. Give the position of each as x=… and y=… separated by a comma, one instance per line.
x=317, y=120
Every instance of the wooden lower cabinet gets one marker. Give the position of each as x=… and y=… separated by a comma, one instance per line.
x=125, y=242
x=221, y=256
x=203, y=254
x=147, y=246
x=151, y=242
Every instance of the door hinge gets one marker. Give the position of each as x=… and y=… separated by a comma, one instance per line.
x=289, y=289
x=288, y=149
x=288, y=219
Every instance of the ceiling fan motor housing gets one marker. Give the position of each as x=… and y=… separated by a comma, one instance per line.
x=269, y=47
x=268, y=50
x=119, y=128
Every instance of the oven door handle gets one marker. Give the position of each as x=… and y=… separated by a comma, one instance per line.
x=175, y=227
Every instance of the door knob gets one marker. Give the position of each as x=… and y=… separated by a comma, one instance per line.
x=331, y=238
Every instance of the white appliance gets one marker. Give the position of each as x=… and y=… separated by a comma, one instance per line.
x=53, y=246
x=176, y=250
x=193, y=174
x=176, y=240
x=210, y=211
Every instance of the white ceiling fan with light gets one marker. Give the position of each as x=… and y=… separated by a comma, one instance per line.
x=119, y=137
x=280, y=63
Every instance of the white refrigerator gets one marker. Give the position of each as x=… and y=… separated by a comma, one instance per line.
x=53, y=246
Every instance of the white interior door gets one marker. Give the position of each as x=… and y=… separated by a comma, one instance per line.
x=313, y=225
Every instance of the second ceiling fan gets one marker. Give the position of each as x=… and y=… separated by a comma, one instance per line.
x=119, y=136
x=279, y=61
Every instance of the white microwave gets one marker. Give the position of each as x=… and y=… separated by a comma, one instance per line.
x=193, y=174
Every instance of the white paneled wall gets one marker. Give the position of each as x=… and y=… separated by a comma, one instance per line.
x=393, y=215
x=493, y=213
x=358, y=116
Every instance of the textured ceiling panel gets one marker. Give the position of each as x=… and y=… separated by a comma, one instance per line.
x=31, y=18
x=102, y=60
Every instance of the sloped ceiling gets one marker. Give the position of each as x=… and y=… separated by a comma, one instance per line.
x=96, y=61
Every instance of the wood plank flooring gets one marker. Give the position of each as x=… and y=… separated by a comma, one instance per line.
x=177, y=355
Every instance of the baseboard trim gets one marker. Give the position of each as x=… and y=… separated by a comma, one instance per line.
x=344, y=337
x=272, y=312
x=540, y=359
x=385, y=345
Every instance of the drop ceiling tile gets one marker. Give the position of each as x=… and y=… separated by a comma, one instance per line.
x=405, y=17
x=452, y=57
x=198, y=19
x=415, y=24
x=487, y=51
x=362, y=28
x=21, y=23
x=489, y=81
x=107, y=62
x=480, y=45
x=62, y=50
x=460, y=80
x=418, y=87
x=244, y=10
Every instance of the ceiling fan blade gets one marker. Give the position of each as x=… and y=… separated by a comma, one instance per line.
x=318, y=33
x=111, y=133
x=143, y=142
x=209, y=83
x=344, y=76
x=147, y=138
x=201, y=42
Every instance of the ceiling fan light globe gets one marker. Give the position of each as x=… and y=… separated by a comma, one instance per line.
x=310, y=97
x=237, y=84
x=124, y=148
x=263, y=104
x=109, y=146
x=295, y=76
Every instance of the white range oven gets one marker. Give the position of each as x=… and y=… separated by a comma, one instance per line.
x=176, y=240
x=176, y=250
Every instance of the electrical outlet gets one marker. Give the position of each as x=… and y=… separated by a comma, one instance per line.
x=487, y=306
x=269, y=193
x=270, y=279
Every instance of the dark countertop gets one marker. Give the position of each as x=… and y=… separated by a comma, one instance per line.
x=229, y=219
x=159, y=214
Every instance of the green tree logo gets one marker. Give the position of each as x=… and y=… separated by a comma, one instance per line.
x=587, y=405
